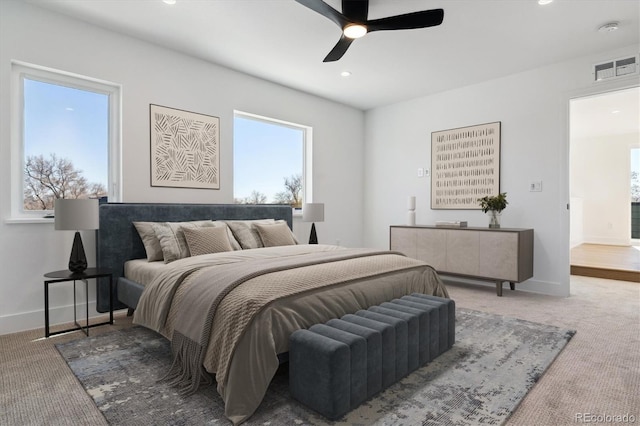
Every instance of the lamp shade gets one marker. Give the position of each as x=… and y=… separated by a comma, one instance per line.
x=75, y=214
x=313, y=212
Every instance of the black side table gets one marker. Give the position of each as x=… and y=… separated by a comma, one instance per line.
x=66, y=275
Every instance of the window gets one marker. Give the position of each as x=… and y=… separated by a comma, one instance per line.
x=271, y=161
x=65, y=139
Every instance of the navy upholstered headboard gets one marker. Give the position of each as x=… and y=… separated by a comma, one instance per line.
x=118, y=241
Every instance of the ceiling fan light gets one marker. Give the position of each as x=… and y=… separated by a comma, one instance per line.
x=354, y=31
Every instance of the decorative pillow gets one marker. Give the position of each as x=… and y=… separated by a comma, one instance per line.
x=246, y=233
x=172, y=240
x=150, y=241
x=235, y=245
x=207, y=240
x=277, y=234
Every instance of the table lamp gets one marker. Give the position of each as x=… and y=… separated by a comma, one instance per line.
x=76, y=215
x=313, y=212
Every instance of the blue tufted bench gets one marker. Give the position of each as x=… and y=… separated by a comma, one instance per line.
x=335, y=367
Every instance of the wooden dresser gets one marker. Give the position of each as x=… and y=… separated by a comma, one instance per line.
x=502, y=254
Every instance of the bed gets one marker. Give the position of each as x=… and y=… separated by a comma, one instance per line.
x=229, y=314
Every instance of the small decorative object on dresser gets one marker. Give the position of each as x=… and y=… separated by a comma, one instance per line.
x=411, y=211
x=451, y=223
x=493, y=206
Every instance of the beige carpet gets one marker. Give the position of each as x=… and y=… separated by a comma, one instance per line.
x=597, y=374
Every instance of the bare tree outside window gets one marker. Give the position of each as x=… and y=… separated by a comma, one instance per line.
x=292, y=194
x=256, y=197
x=46, y=179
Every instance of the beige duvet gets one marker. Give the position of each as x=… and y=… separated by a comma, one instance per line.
x=247, y=335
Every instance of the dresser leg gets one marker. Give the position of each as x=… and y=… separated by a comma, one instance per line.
x=499, y=288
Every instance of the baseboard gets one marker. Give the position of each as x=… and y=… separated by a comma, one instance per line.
x=607, y=241
x=24, y=321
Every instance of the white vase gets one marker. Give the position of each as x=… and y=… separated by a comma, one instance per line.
x=411, y=218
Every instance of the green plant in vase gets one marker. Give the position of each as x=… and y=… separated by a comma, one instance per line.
x=494, y=206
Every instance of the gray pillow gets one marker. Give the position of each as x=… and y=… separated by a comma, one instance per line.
x=172, y=239
x=150, y=240
x=234, y=243
x=207, y=240
x=246, y=233
x=276, y=234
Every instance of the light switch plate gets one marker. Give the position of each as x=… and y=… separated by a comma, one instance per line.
x=535, y=186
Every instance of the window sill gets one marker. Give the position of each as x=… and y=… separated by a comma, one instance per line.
x=24, y=220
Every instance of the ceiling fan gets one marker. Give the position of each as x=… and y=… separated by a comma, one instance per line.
x=354, y=23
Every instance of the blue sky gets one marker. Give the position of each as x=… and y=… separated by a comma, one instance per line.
x=69, y=122
x=264, y=154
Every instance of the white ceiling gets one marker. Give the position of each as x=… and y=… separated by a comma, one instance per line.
x=612, y=113
x=284, y=42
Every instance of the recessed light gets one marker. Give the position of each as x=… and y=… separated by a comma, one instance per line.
x=609, y=27
x=345, y=73
x=615, y=111
x=543, y=2
x=169, y=1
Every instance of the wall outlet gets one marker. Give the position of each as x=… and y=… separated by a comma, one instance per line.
x=535, y=186
x=427, y=173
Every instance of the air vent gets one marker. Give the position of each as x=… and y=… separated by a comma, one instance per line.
x=615, y=68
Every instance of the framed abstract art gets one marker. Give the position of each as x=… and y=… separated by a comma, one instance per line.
x=185, y=148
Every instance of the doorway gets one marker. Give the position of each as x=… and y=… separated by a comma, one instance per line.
x=604, y=132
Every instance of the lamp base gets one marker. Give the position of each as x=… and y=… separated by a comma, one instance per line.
x=78, y=259
x=313, y=238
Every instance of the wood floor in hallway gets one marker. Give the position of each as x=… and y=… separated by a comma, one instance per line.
x=606, y=261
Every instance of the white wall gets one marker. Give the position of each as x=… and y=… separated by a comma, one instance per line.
x=600, y=179
x=150, y=74
x=533, y=108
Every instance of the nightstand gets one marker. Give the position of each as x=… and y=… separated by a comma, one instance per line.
x=65, y=276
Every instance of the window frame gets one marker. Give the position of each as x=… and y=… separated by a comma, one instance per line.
x=307, y=150
x=21, y=70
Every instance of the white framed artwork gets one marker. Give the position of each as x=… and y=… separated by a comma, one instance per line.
x=185, y=148
x=465, y=166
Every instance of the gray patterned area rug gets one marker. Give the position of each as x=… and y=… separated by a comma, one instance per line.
x=495, y=361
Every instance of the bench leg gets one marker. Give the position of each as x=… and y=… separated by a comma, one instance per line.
x=512, y=285
x=499, y=288
x=130, y=312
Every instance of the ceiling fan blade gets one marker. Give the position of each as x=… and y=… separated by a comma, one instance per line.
x=422, y=19
x=339, y=49
x=356, y=10
x=325, y=10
